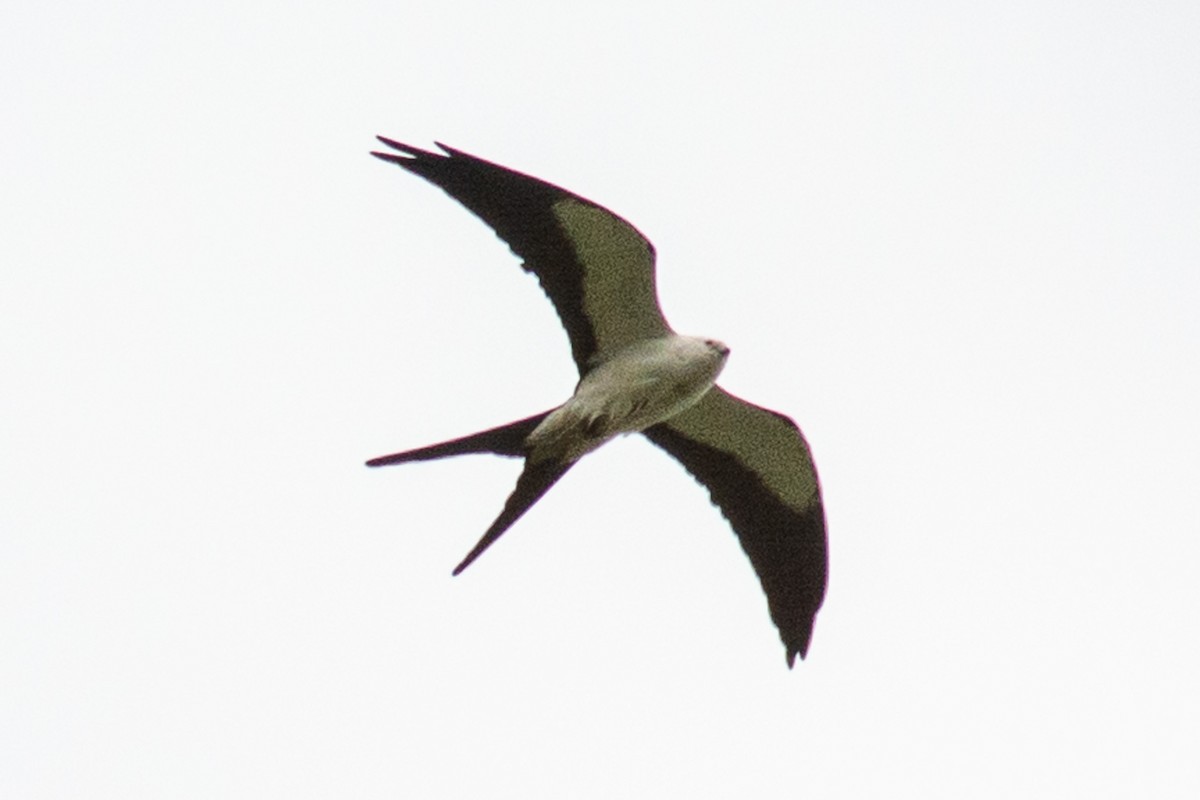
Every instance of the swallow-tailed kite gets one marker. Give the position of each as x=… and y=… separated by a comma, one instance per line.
x=636, y=375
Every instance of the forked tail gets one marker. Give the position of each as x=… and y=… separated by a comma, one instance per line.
x=506, y=440
x=536, y=479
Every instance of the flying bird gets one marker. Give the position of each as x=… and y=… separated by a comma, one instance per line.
x=636, y=375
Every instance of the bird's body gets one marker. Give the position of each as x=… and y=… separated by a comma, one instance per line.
x=640, y=385
x=636, y=375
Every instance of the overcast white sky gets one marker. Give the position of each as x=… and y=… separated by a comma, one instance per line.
x=957, y=242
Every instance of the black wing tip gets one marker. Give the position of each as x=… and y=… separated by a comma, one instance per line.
x=402, y=147
x=411, y=153
x=391, y=158
x=798, y=646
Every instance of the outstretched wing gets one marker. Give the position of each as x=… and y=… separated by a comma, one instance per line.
x=597, y=269
x=758, y=469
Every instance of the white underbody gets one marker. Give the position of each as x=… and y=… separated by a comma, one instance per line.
x=636, y=387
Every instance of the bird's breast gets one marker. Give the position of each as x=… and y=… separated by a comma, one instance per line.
x=639, y=386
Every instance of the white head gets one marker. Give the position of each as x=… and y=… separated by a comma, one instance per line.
x=711, y=353
x=719, y=347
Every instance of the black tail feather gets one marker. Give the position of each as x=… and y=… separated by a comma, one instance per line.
x=535, y=481
x=506, y=440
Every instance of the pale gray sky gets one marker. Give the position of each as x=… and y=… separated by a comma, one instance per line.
x=958, y=243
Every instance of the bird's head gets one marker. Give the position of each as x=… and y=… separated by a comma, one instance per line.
x=717, y=346
x=711, y=353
